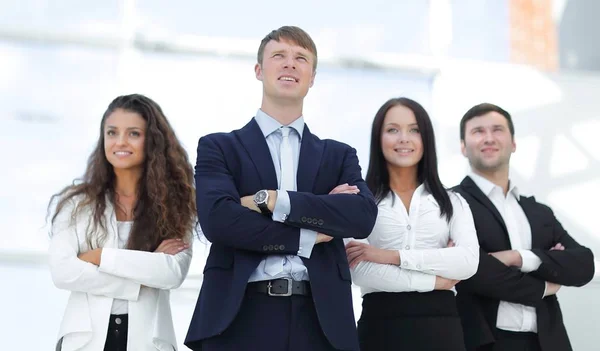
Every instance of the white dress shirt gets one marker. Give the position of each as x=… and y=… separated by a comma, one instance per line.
x=421, y=237
x=513, y=316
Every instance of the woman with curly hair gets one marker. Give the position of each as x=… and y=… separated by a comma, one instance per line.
x=121, y=237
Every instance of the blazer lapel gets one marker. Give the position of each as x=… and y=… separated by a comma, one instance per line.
x=535, y=223
x=469, y=185
x=311, y=151
x=112, y=235
x=255, y=144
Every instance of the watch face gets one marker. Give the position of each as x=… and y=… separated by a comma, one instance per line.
x=261, y=196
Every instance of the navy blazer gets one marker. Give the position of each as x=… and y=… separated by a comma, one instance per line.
x=232, y=165
x=478, y=297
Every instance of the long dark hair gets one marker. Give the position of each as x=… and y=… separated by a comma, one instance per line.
x=378, y=178
x=165, y=207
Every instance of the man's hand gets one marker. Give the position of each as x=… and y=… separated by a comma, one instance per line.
x=358, y=252
x=557, y=247
x=551, y=288
x=345, y=189
x=509, y=258
x=323, y=238
x=272, y=200
x=444, y=283
x=248, y=202
x=172, y=246
x=92, y=256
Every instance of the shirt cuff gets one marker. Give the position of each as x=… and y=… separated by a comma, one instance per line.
x=545, y=289
x=531, y=261
x=308, y=238
x=422, y=282
x=282, y=206
x=411, y=260
x=107, y=260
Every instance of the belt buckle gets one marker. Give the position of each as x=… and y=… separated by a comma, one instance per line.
x=287, y=293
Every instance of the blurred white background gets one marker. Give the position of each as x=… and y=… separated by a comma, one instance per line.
x=63, y=61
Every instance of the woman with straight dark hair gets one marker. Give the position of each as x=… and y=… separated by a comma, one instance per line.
x=423, y=242
x=121, y=237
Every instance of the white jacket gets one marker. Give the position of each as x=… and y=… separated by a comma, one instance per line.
x=142, y=278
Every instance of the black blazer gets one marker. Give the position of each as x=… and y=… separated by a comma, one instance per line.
x=236, y=164
x=478, y=297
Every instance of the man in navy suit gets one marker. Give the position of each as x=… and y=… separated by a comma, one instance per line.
x=276, y=202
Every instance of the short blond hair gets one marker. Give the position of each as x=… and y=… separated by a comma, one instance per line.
x=293, y=34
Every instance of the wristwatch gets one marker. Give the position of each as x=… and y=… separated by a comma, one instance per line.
x=261, y=199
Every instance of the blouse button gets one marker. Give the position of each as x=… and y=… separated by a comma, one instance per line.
x=408, y=227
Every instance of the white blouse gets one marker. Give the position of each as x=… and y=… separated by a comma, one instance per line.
x=421, y=237
x=120, y=306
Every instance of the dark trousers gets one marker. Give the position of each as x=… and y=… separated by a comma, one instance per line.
x=513, y=341
x=410, y=321
x=274, y=323
x=116, y=339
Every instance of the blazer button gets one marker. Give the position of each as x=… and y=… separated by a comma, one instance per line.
x=270, y=247
x=320, y=222
x=265, y=248
x=275, y=247
x=313, y=221
x=303, y=219
x=281, y=247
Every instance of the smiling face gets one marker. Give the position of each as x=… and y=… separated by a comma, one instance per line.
x=124, y=139
x=401, y=141
x=286, y=71
x=488, y=143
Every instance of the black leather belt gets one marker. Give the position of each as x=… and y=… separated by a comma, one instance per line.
x=280, y=287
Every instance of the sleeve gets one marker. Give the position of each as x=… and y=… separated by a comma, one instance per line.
x=153, y=269
x=530, y=261
x=458, y=262
x=70, y=273
x=222, y=217
x=281, y=211
x=573, y=266
x=497, y=281
x=337, y=215
x=390, y=278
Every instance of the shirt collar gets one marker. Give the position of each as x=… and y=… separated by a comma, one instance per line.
x=269, y=125
x=487, y=187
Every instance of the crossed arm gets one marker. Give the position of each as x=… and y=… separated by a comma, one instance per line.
x=111, y=272
x=526, y=276
x=230, y=219
x=419, y=269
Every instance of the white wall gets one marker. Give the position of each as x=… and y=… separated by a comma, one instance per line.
x=52, y=100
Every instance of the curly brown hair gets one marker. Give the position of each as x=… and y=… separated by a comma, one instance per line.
x=165, y=207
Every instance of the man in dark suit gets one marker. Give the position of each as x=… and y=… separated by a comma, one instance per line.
x=276, y=202
x=526, y=255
